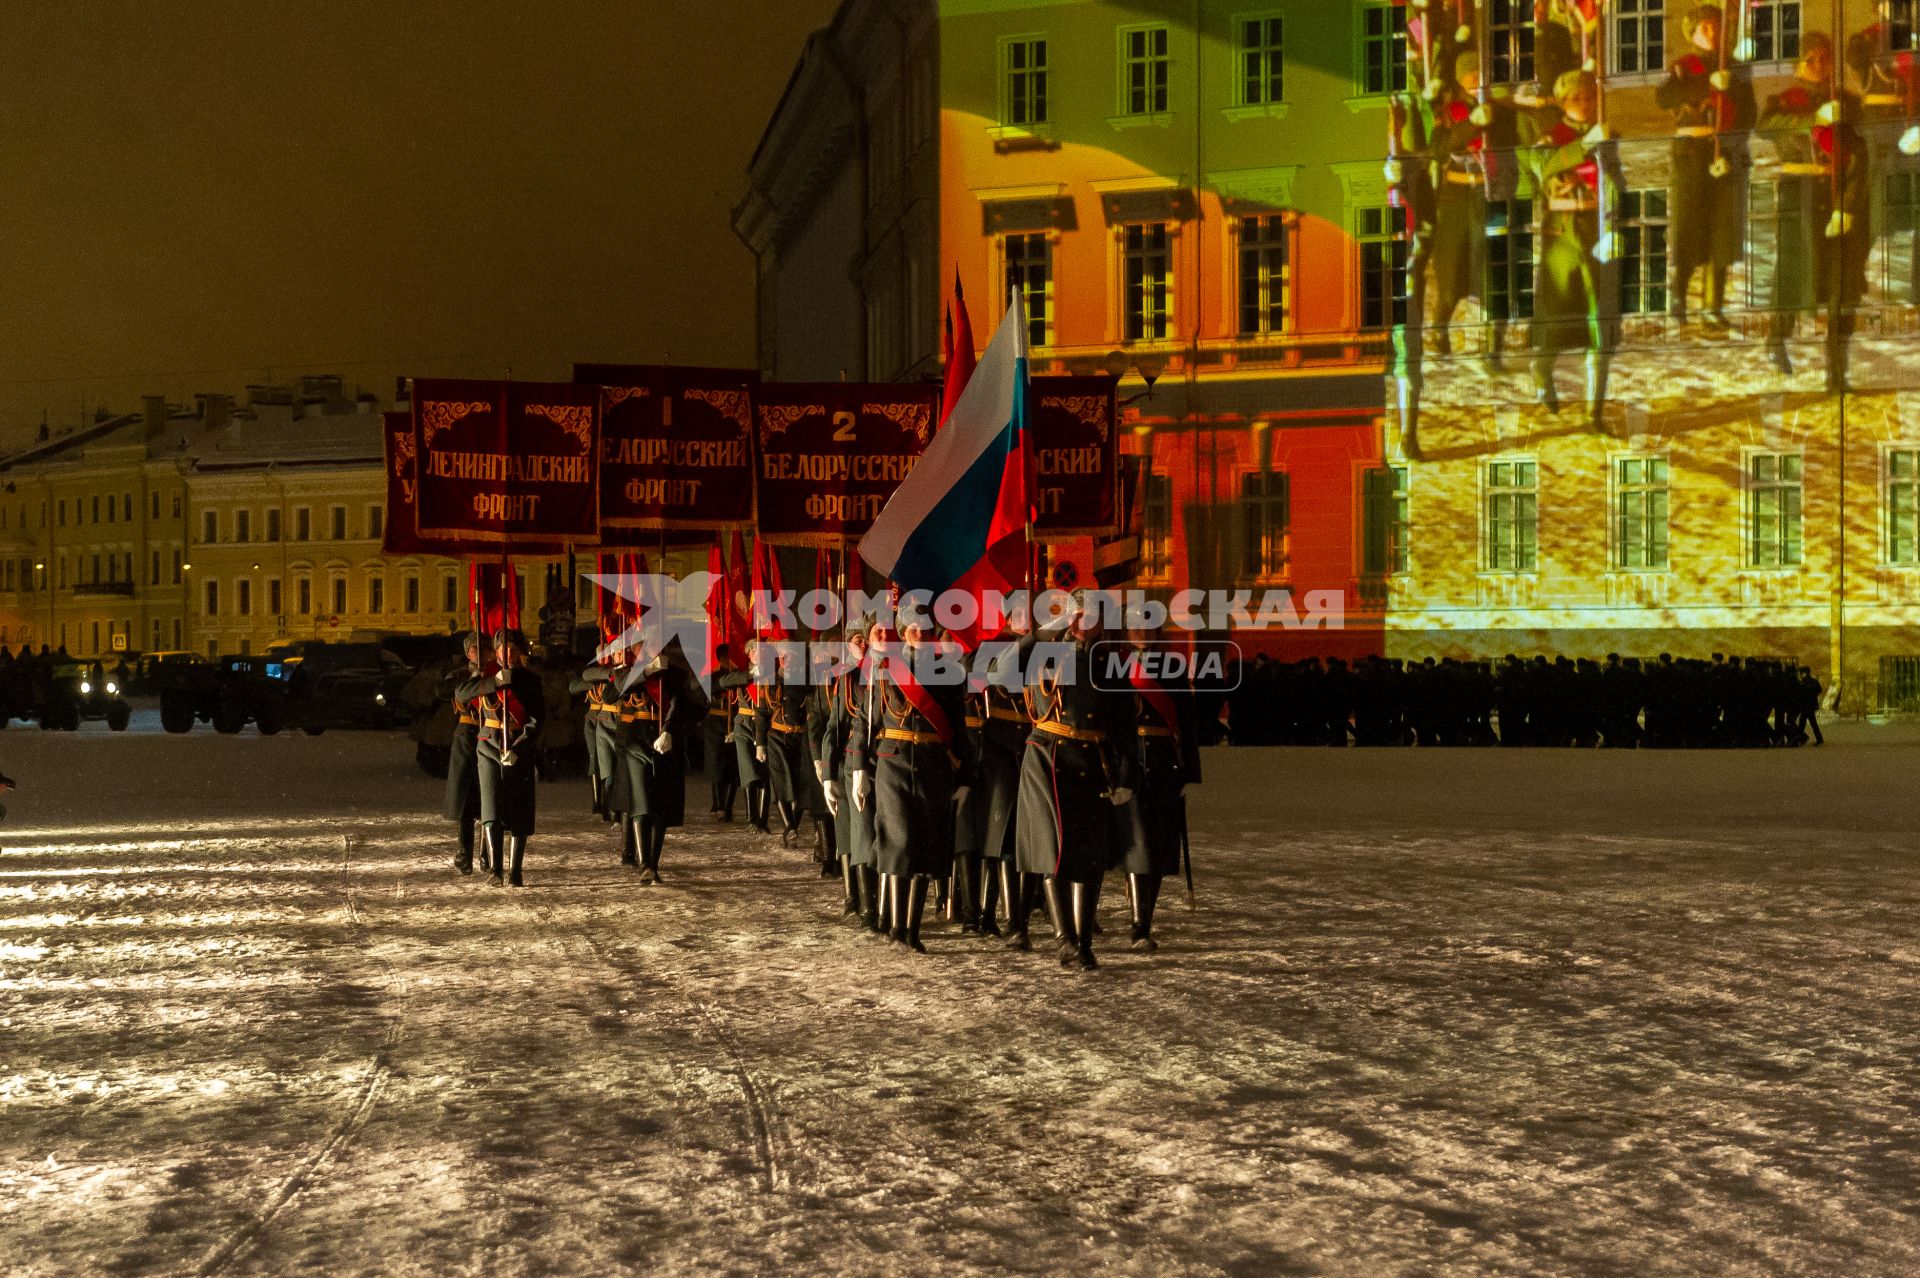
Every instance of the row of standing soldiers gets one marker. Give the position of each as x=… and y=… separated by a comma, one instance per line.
x=1379, y=701
x=993, y=797
x=1460, y=146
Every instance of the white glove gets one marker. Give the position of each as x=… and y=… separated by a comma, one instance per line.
x=820, y=771
x=1839, y=224
x=1721, y=81
x=1481, y=115
x=1603, y=248
x=1597, y=134
x=759, y=754
x=1462, y=33
x=1529, y=96
x=861, y=795
x=663, y=743
x=1120, y=795
x=1719, y=168
x=503, y=678
x=1392, y=171
x=1910, y=141
x=1744, y=50
x=833, y=799
x=1829, y=112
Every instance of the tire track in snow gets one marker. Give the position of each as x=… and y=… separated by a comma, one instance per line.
x=344, y=1130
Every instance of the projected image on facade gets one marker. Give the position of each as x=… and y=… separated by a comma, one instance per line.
x=1575, y=327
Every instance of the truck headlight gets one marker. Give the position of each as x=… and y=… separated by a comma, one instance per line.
x=113, y=689
x=379, y=698
x=85, y=687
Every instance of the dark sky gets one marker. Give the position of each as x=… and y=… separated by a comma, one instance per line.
x=203, y=193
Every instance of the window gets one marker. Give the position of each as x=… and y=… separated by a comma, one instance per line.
x=1143, y=70
x=1149, y=282
x=153, y=512
x=303, y=596
x=1903, y=506
x=1383, y=48
x=1030, y=270
x=1023, y=81
x=1510, y=42
x=1902, y=25
x=243, y=525
x=1382, y=239
x=1774, y=28
x=273, y=596
x=1640, y=496
x=176, y=510
x=96, y=509
x=1156, y=527
x=273, y=523
x=126, y=507
x=1900, y=222
x=376, y=593
x=243, y=597
x=376, y=521
x=302, y=524
x=1510, y=258
x=1512, y=516
x=411, y=593
x=1259, y=59
x=339, y=595
x=1264, y=275
x=337, y=519
x=94, y=568
x=1639, y=36
x=176, y=567
x=213, y=598
x=209, y=526
x=449, y=593
x=1774, y=534
x=1642, y=236
x=63, y=512
x=1264, y=501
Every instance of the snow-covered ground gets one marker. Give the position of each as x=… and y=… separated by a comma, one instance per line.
x=1437, y=1012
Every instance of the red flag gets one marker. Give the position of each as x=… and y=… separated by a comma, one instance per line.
x=823, y=571
x=766, y=586
x=739, y=601
x=960, y=357
x=606, y=604
x=494, y=590
x=717, y=606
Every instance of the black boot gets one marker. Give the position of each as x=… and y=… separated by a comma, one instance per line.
x=490, y=835
x=599, y=806
x=463, y=859
x=1086, y=898
x=757, y=805
x=1146, y=894
x=850, y=890
x=723, y=801
x=789, y=824
x=630, y=837
x=1018, y=890
x=989, y=897
x=1066, y=940
x=650, y=854
x=916, y=906
x=896, y=909
x=517, y=850
x=870, y=900
x=477, y=834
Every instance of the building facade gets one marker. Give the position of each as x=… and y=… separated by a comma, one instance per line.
x=1193, y=196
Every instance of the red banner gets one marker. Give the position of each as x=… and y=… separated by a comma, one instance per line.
x=676, y=445
x=1074, y=438
x=506, y=465
x=831, y=453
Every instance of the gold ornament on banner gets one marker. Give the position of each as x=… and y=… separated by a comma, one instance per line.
x=436, y=416
x=575, y=419
x=621, y=394
x=1090, y=409
x=731, y=404
x=915, y=419
x=776, y=418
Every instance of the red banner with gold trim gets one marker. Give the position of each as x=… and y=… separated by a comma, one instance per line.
x=676, y=445
x=506, y=465
x=1073, y=420
x=831, y=453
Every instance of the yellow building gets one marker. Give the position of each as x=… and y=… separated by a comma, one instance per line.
x=92, y=536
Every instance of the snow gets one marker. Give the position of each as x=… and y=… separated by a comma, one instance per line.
x=1437, y=1012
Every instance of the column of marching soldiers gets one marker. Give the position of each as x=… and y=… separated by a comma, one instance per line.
x=995, y=796
x=1459, y=143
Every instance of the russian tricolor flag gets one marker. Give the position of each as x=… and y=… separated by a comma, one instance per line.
x=959, y=519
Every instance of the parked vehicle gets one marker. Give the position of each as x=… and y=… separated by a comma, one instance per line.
x=80, y=690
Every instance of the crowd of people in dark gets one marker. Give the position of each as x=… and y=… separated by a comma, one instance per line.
x=1539, y=701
